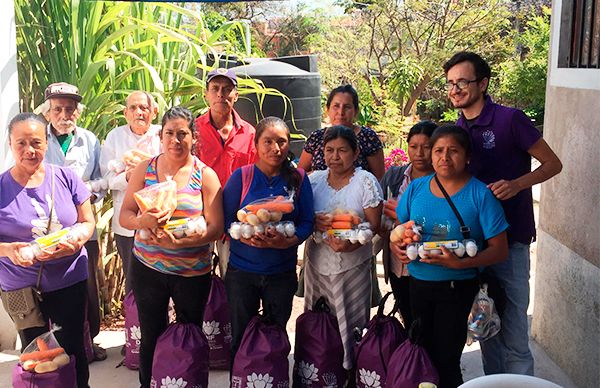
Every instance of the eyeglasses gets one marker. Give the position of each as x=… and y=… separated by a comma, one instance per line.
x=460, y=84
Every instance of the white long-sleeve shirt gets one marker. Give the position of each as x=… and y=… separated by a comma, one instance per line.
x=117, y=142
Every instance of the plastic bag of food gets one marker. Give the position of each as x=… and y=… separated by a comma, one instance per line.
x=406, y=233
x=44, y=354
x=246, y=230
x=49, y=243
x=161, y=196
x=484, y=322
x=182, y=227
x=130, y=159
x=266, y=210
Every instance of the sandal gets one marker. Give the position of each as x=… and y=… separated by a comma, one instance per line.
x=99, y=353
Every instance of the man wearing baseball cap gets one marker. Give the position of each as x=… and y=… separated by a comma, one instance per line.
x=225, y=140
x=78, y=149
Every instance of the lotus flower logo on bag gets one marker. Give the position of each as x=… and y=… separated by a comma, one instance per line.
x=330, y=380
x=173, y=382
x=369, y=378
x=211, y=329
x=259, y=381
x=135, y=334
x=308, y=373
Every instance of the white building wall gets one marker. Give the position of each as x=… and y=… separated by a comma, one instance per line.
x=9, y=106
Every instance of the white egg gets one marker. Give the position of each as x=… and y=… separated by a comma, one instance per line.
x=260, y=228
x=200, y=227
x=412, y=252
x=247, y=230
x=422, y=252
x=280, y=228
x=178, y=234
x=435, y=252
x=27, y=253
x=362, y=236
x=289, y=229
x=144, y=234
x=235, y=231
x=460, y=251
x=353, y=236
x=471, y=248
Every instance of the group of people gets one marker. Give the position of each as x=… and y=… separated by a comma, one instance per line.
x=479, y=169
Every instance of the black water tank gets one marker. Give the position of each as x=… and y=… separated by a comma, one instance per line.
x=303, y=89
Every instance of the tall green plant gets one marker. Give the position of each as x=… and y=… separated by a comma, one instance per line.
x=109, y=49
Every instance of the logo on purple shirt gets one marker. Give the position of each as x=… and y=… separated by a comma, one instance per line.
x=489, y=140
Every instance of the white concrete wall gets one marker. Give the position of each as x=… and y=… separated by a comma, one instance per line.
x=9, y=106
x=566, y=315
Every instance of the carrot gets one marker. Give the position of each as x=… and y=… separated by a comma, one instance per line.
x=416, y=237
x=408, y=233
x=159, y=201
x=409, y=224
x=342, y=217
x=341, y=225
x=272, y=206
x=41, y=344
x=407, y=240
x=41, y=355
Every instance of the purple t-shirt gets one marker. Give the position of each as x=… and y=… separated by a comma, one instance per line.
x=24, y=217
x=501, y=137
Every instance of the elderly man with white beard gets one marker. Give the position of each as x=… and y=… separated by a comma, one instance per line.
x=78, y=149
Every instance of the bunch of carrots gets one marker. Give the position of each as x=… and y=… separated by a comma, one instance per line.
x=45, y=359
x=341, y=220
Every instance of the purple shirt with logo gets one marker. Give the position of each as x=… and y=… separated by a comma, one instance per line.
x=24, y=217
x=501, y=137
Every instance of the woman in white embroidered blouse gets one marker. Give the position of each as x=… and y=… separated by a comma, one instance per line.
x=339, y=269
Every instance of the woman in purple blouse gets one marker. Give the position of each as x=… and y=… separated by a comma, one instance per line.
x=37, y=199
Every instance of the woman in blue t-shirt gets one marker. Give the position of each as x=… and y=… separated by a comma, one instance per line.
x=262, y=268
x=443, y=286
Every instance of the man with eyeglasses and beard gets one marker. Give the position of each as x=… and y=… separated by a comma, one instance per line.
x=504, y=140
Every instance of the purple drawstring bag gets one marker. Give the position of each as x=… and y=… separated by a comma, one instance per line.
x=262, y=358
x=217, y=323
x=181, y=357
x=64, y=377
x=318, y=350
x=132, y=333
x=383, y=336
x=410, y=364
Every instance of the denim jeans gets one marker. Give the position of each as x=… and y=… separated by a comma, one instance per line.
x=508, y=352
x=246, y=291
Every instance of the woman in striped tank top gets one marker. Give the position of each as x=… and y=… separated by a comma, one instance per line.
x=165, y=267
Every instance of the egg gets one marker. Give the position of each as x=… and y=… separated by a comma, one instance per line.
x=412, y=252
x=435, y=252
x=353, y=236
x=241, y=215
x=276, y=216
x=364, y=236
x=280, y=228
x=27, y=253
x=460, y=250
x=247, y=230
x=235, y=231
x=422, y=252
x=397, y=233
x=260, y=228
x=178, y=234
x=46, y=367
x=200, y=227
x=28, y=365
x=471, y=248
x=144, y=234
x=263, y=215
x=290, y=229
x=252, y=219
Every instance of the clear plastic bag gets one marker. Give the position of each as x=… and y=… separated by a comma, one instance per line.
x=484, y=322
x=44, y=354
x=161, y=196
x=266, y=210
